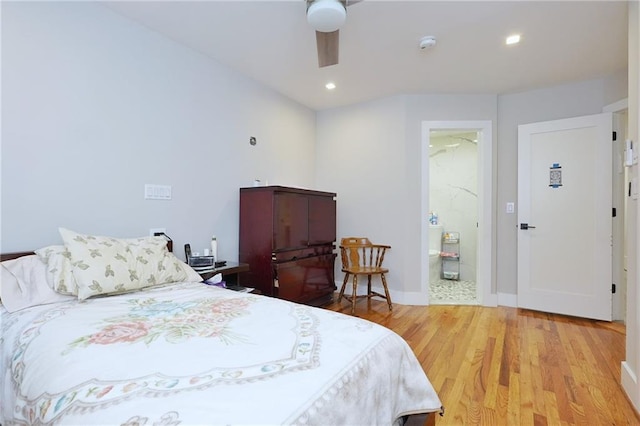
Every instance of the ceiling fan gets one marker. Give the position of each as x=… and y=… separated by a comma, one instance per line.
x=326, y=17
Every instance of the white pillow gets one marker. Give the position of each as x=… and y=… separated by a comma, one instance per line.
x=59, y=276
x=24, y=284
x=105, y=265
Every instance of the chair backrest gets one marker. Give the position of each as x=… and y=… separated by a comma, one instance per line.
x=359, y=251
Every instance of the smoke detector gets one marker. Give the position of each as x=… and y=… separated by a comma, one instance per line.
x=427, y=42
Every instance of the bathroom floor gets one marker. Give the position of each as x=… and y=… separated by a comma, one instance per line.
x=450, y=292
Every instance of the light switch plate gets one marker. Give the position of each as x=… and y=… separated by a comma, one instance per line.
x=157, y=192
x=511, y=207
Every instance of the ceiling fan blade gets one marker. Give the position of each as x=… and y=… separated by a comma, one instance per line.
x=327, y=44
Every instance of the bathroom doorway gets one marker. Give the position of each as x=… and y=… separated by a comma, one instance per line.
x=457, y=228
x=453, y=216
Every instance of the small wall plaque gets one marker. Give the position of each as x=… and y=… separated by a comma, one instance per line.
x=555, y=175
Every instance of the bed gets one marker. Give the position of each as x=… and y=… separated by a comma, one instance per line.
x=182, y=352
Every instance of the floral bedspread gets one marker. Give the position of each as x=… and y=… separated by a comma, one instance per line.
x=192, y=354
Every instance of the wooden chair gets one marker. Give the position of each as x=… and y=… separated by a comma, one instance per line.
x=361, y=257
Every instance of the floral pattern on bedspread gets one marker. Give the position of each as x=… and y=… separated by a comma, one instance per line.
x=167, y=419
x=147, y=322
x=149, y=319
x=136, y=358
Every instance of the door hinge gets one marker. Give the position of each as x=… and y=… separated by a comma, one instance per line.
x=615, y=136
x=613, y=212
x=613, y=288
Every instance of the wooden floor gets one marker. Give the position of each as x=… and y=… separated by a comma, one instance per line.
x=508, y=366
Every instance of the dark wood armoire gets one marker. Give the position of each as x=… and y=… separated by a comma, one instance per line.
x=288, y=238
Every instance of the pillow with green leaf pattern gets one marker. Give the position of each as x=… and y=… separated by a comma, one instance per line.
x=59, y=276
x=106, y=265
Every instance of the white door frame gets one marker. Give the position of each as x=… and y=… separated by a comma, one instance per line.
x=486, y=295
x=619, y=298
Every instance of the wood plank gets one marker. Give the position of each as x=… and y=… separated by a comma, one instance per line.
x=508, y=366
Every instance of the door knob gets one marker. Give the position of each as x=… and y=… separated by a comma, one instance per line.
x=526, y=226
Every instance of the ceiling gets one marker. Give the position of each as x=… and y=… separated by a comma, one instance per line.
x=271, y=42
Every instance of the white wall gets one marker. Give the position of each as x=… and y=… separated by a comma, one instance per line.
x=370, y=154
x=360, y=149
x=570, y=100
x=360, y=156
x=94, y=106
x=631, y=366
x=443, y=108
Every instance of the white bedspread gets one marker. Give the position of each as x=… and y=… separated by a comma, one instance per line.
x=194, y=354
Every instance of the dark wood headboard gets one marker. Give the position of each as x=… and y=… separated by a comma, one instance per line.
x=9, y=256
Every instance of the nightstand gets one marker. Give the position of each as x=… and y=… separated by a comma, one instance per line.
x=230, y=275
x=230, y=272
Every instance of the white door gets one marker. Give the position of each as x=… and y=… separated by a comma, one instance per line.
x=564, y=216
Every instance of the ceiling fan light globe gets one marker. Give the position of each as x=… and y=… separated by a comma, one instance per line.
x=326, y=15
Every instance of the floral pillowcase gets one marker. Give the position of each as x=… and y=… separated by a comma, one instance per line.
x=90, y=265
x=59, y=276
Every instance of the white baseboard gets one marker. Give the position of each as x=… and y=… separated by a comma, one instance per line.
x=490, y=300
x=400, y=297
x=630, y=384
x=419, y=298
x=416, y=298
x=409, y=297
x=508, y=299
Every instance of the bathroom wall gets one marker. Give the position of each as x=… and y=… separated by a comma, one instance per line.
x=453, y=177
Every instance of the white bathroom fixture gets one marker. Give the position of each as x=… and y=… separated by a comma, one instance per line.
x=435, y=247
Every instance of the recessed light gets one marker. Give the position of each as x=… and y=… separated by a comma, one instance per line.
x=513, y=39
x=330, y=86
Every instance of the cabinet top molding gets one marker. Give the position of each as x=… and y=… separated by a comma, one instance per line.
x=276, y=188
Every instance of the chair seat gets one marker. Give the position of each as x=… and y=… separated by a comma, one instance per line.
x=366, y=270
x=361, y=257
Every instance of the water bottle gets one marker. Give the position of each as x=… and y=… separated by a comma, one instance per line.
x=214, y=248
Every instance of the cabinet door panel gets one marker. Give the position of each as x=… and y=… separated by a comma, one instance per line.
x=306, y=279
x=290, y=227
x=322, y=220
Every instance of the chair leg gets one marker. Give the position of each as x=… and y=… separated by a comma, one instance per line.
x=353, y=299
x=344, y=285
x=369, y=286
x=386, y=291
